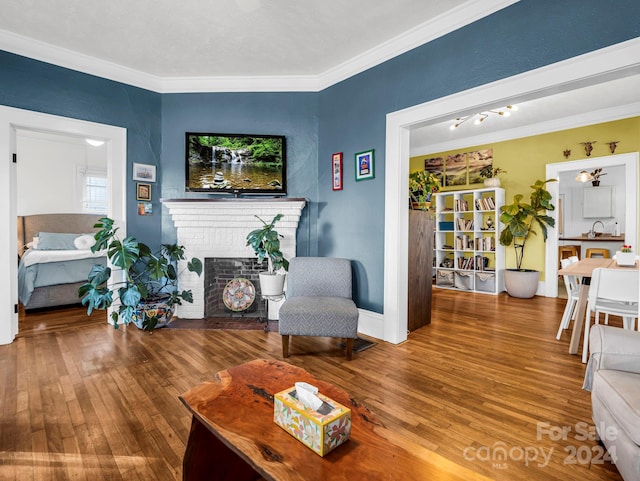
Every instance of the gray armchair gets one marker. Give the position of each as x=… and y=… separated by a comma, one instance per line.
x=318, y=301
x=613, y=377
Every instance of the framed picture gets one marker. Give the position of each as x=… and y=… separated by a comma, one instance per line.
x=145, y=208
x=364, y=165
x=144, y=172
x=143, y=191
x=336, y=170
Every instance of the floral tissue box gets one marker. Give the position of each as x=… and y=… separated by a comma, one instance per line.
x=322, y=430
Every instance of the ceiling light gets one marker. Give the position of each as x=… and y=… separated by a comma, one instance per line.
x=481, y=116
x=584, y=176
x=94, y=142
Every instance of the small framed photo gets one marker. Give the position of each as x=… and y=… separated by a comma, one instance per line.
x=144, y=172
x=364, y=165
x=143, y=191
x=336, y=170
x=145, y=208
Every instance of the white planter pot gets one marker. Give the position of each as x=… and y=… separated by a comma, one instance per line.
x=625, y=258
x=523, y=284
x=271, y=284
x=492, y=182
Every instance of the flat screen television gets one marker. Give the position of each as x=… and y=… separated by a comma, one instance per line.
x=236, y=163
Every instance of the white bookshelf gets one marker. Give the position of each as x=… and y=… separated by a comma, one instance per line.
x=467, y=233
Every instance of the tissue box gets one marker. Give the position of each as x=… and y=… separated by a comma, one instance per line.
x=321, y=431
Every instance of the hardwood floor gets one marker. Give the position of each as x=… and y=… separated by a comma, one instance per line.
x=83, y=401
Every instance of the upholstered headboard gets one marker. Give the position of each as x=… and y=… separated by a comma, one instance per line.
x=30, y=225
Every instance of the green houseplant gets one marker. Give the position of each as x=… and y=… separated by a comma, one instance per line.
x=422, y=185
x=148, y=292
x=520, y=220
x=265, y=242
x=490, y=174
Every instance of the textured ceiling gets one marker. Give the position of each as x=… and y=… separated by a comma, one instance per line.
x=204, y=38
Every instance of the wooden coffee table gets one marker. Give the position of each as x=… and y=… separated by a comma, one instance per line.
x=233, y=436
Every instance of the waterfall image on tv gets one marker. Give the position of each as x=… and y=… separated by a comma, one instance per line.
x=236, y=163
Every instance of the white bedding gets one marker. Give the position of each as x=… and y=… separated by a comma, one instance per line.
x=34, y=256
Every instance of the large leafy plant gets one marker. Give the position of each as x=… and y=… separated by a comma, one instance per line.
x=146, y=276
x=521, y=218
x=265, y=242
x=422, y=185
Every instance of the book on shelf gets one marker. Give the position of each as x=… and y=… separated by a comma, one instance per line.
x=464, y=243
x=464, y=224
x=485, y=244
x=485, y=203
x=461, y=205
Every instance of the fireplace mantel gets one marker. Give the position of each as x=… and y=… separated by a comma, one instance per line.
x=218, y=227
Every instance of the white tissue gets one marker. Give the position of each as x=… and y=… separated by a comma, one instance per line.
x=306, y=394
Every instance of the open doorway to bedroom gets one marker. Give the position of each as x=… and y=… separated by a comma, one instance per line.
x=62, y=189
x=55, y=187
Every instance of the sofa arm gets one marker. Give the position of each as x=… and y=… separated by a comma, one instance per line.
x=612, y=348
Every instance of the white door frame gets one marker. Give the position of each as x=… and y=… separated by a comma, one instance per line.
x=595, y=67
x=630, y=163
x=12, y=119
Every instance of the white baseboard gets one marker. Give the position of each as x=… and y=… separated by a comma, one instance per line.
x=371, y=324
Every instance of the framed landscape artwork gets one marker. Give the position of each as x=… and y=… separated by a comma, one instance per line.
x=477, y=160
x=144, y=172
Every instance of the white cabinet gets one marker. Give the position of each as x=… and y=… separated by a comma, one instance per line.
x=598, y=202
x=468, y=255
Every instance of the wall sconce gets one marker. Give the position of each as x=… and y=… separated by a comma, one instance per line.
x=584, y=176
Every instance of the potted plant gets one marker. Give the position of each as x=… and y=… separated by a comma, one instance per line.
x=265, y=242
x=148, y=291
x=595, y=177
x=520, y=220
x=422, y=185
x=490, y=175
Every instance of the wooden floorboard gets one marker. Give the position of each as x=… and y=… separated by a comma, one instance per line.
x=82, y=401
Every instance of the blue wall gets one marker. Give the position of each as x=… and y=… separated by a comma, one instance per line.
x=293, y=115
x=522, y=37
x=348, y=117
x=41, y=87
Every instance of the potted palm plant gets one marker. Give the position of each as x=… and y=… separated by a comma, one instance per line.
x=520, y=220
x=422, y=185
x=148, y=292
x=265, y=242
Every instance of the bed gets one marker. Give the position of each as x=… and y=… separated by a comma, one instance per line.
x=52, y=267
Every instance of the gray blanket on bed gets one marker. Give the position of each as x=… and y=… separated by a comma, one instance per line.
x=52, y=273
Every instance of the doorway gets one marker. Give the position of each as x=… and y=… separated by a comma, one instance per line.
x=589, y=69
x=11, y=120
x=630, y=164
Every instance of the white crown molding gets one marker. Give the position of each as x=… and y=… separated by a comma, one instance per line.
x=545, y=127
x=291, y=83
x=62, y=57
x=454, y=19
x=437, y=27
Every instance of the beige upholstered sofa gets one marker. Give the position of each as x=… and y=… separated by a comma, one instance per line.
x=613, y=377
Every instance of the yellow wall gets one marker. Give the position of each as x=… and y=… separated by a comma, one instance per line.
x=525, y=159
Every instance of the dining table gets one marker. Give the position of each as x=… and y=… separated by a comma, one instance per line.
x=584, y=269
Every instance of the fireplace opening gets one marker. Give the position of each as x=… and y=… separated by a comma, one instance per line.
x=218, y=271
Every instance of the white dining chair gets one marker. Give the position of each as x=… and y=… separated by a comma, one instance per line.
x=573, y=294
x=612, y=291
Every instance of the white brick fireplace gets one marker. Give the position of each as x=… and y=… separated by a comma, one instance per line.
x=218, y=228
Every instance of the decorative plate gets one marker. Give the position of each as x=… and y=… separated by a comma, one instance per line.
x=239, y=294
